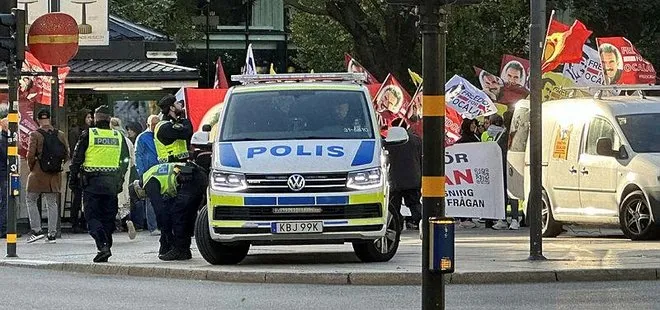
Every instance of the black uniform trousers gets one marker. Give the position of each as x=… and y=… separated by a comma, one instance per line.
x=412, y=198
x=100, y=213
x=163, y=209
x=184, y=212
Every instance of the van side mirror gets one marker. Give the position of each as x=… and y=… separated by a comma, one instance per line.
x=604, y=147
x=200, y=138
x=396, y=136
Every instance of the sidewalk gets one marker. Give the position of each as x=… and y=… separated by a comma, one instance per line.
x=482, y=256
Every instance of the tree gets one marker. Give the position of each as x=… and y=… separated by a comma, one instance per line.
x=321, y=42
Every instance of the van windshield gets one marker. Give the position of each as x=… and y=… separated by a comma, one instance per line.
x=642, y=131
x=297, y=115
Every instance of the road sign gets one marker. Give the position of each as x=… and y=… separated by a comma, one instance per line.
x=53, y=39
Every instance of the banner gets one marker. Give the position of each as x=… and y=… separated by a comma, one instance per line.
x=623, y=64
x=514, y=71
x=353, y=66
x=204, y=106
x=469, y=101
x=589, y=72
x=453, y=122
x=554, y=85
x=474, y=181
x=391, y=102
x=497, y=91
x=563, y=44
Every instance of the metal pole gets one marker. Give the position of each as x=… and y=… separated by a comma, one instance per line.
x=208, y=44
x=248, y=7
x=433, y=180
x=54, y=94
x=537, y=40
x=13, y=74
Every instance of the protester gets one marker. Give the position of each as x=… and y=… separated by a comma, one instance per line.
x=468, y=135
x=78, y=224
x=48, y=150
x=124, y=198
x=99, y=164
x=4, y=135
x=145, y=158
x=405, y=175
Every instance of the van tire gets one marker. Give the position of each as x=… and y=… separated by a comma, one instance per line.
x=368, y=251
x=550, y=228
x=216, y=253
x=635, y=213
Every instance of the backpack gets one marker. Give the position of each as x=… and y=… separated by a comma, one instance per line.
x=53, y=154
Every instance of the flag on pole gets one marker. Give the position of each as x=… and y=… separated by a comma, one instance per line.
x=312, y=71
x=563, y=44
x=416, y=78
x=250, y=68
x=353, y=66
x=220, y=77
x=272, y=69
x=623, y=64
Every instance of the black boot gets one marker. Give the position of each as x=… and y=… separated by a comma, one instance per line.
x=164, y=248
x=176, y=254
x=103, y=255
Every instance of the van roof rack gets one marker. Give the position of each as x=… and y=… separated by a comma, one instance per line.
x=300, y=77
x=614, y=89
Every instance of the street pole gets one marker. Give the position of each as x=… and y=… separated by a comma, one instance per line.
x=537, y=41
x=434, y=35
x=54, y=94
x=208, y=44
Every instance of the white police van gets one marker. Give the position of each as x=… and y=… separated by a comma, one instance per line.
x=298, y=159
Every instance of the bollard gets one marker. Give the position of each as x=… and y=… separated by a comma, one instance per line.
x=441, y=241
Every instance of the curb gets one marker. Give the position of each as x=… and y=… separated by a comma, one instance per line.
x=340, y=278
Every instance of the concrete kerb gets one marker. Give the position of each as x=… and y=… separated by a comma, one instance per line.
x=341, y=278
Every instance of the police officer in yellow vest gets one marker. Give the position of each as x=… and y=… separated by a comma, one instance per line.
x=175, y=191
x=99, y=163
x=173, y=132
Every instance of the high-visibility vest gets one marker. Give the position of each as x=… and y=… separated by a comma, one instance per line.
x=103, y=150
x=165, y=174
x=178, y=149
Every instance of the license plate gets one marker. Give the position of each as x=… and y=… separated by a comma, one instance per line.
x=296, y=227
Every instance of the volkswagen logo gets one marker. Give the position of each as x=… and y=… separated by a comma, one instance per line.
x=296, y=182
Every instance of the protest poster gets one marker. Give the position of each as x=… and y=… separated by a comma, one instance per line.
x=514, y=70
x=497, y=90
x=589, y=72
x=469, y=101
x=554, y=86
x=353, y=66
x=622, y=63
x=391, y=102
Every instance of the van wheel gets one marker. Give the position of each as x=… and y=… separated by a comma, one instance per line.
x=216, y=253
x=383, y=248
x=635, y=217
x=550, y=228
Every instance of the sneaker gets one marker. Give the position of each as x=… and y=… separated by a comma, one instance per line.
x=50, y=238
x=500, y=225
x=34, y=236
x=467, y=224
x=131, y=230
x=176, y=254
x=514, y=225
x=155, y=233
x=103, y=255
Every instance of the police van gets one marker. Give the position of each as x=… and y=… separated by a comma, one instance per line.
x=298, y=159
x=600, y=161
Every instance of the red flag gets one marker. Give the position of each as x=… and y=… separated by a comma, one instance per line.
x=392, y=101
x=622, y=63
x=220, y=77
x=203, y=105
x=453, y=122
x=353, y=66
x=563, y=44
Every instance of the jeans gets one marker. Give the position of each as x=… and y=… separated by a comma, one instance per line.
x=152, y=223
x=33, y=211
x=3, y=207
x=138, y=214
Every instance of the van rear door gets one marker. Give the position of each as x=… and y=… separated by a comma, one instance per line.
x=518, y=141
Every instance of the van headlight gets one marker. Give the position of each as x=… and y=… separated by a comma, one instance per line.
x=365, y=179
x=228, y=181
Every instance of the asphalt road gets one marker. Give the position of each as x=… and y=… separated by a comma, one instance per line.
x=42, y=289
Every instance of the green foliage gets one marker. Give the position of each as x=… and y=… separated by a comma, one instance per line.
x=321, y=42
x=172, y=17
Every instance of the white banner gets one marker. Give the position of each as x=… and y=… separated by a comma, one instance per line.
x=589, y=72
x=468, y=100
x=475, y=181
x=91, y=16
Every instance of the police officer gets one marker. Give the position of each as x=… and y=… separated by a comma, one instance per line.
x=99, y=164
x=172, y=138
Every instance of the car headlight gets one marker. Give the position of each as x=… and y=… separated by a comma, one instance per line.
x=365, y=179
x=228, y=181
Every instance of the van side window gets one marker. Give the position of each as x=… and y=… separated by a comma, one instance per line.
x=600, y=128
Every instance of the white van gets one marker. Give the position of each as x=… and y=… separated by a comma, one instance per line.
x=601, y=163
x=298, y=159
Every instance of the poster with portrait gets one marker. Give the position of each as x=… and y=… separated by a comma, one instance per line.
x=353, y=66
x=555, y=86
x=497, y=90
x=514, y=70
x=469, y=101
x=392, y=101
x=622, y=63
x=589, y=72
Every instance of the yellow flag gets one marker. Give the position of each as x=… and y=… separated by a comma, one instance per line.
x=416, y=78
x=311, y=71
x=272, y=69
